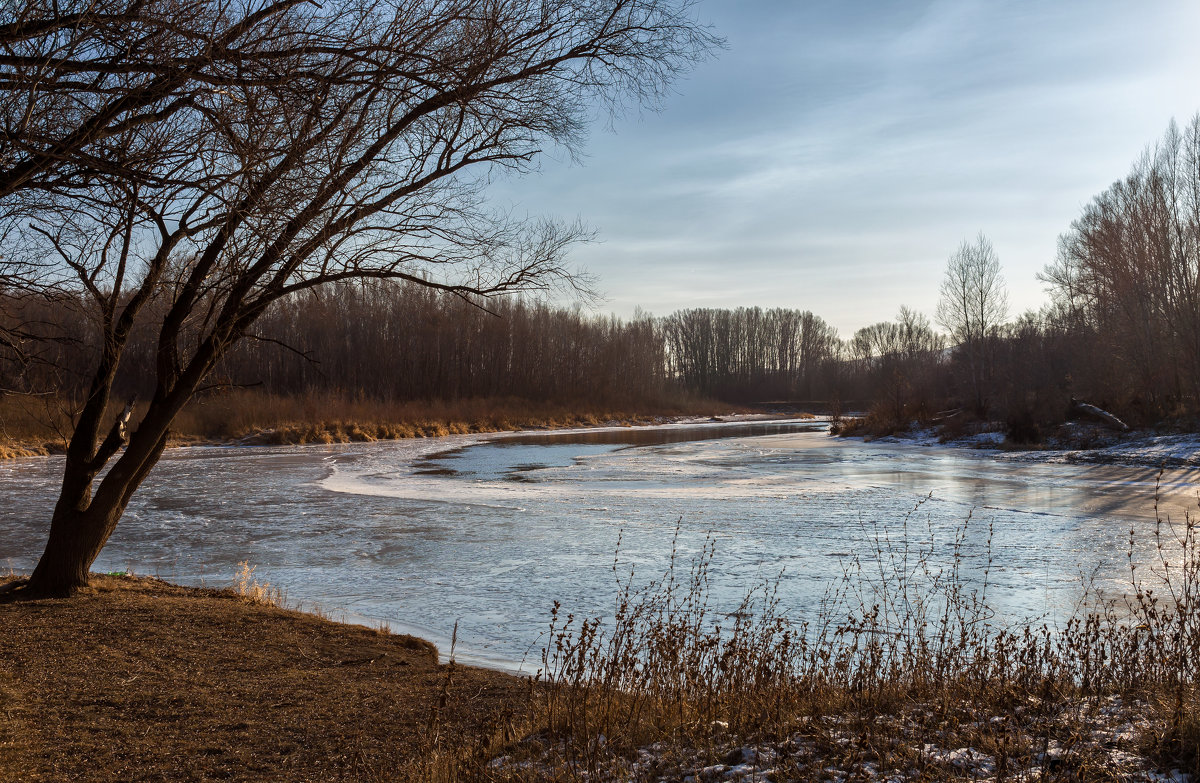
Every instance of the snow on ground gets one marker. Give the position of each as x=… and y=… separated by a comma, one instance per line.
x=1138, y=448
x=1073, y=443
x=1100, y=734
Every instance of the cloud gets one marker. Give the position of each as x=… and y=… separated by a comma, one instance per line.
x=837, y=153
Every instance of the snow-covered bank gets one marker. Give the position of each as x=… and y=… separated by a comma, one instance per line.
x=1074, y=444
x=1137, y=449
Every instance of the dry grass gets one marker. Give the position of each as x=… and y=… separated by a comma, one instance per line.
x=138, y=680
x=255, y=592
x=905, y=670
x=38, y=426
x=880, y=421
x=33, y=425
x=335, y=418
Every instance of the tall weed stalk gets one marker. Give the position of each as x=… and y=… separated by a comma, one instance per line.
x=895, y=630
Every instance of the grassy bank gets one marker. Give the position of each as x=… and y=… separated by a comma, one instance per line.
x=140, y=680
x=907, y=673
x=32, y=426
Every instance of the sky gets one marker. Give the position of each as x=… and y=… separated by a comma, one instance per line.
x=836, y=152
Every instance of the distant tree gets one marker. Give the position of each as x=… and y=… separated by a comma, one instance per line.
x=917, y=336
x=973, y=305
x=239, y=152
x=747, y=354
x=897, y=360
x=1128, y=270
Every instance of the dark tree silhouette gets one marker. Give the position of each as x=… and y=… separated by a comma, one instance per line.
x=227, y=155
x=973, y=306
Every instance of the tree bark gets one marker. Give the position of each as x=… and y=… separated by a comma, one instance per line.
x=76, y=538
x=80, y=529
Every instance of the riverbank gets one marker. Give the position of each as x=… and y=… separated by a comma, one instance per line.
x=136, y=679
x=36, y=426
x=141, y=680
x=1072, y=443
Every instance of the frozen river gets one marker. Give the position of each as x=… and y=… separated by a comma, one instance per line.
x=488, y=531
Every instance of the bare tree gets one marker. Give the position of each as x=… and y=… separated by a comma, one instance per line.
x=747, y=354
x=1130, y=269
x=355, y=144
x=77, y=75
x=899, y=361
x=973, y=305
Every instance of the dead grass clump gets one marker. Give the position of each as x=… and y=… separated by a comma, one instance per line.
x=907, y=669
x=880, y=421
x=253, y=591
x=848, y=427
x=16, y=452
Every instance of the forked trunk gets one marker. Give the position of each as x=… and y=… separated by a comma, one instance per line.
x=76, y=538
x=82, y=523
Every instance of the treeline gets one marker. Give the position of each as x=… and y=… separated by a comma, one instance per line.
x=400, y=341
x=1127, y=277
x=750, y=354
x=381, y=341
x=1121, y=330
x=407, y=342
x=1122, y=327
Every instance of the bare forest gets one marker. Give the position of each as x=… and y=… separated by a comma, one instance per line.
x=1121, y=330
x=252, y=222
x=210, y=196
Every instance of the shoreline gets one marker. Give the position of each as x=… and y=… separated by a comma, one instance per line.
x=142, y=680
x=1138, y=448
x=338, y=431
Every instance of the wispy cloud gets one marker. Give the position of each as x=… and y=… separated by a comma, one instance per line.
x=838, y=152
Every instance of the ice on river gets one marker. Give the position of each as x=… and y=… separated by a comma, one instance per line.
x=488, y=531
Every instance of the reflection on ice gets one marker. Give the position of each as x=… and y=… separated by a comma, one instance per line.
x=489, y=530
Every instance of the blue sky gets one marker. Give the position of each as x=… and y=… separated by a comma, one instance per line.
x=836, y=153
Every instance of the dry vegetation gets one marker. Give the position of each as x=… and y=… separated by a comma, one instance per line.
x=331, y=418
x=139, y=680
x=39, y=425
x=906, y=673
x=32, y=425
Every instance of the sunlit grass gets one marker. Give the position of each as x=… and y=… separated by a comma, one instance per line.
x=906, y=670
x=247, y=586
x=41, y=425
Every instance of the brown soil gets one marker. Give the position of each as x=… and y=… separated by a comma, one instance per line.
x=136, y=679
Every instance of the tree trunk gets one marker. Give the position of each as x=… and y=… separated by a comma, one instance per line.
x=82, y=524
x=76, y=538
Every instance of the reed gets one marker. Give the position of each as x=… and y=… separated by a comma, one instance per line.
x=906, y=670
x=32, y=426
x=248, y=588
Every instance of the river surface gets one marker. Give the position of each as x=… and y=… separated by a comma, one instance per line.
x=488, y=531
